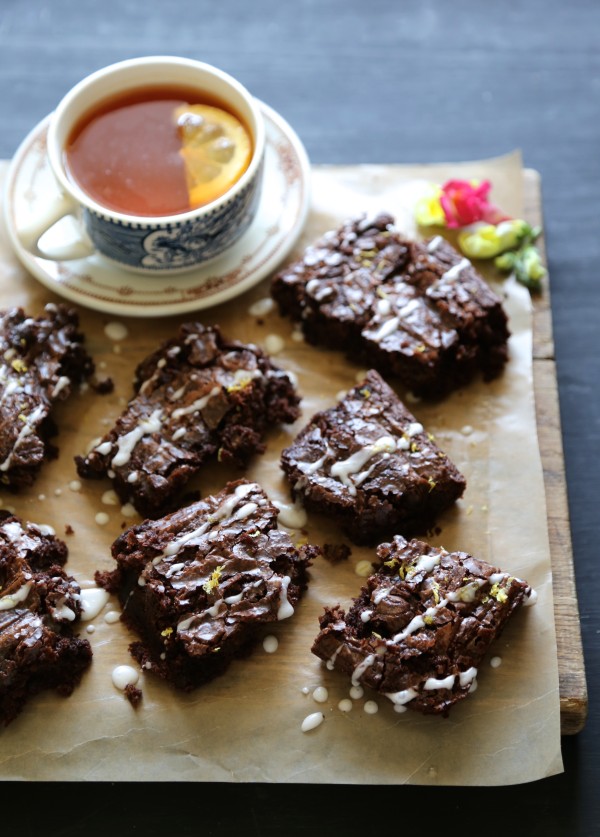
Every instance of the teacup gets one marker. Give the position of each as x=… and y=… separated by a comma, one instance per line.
x=151, y=243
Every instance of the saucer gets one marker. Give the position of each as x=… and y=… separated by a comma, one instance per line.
x=97, y=283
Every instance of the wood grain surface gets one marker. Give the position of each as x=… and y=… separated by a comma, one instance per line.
x=571, y=669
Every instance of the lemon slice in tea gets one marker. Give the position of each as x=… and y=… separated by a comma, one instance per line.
x=216, y=150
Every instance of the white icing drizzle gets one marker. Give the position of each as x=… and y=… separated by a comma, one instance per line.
x=133, y=477
x=384, y=307
x=25, y=431
x=291, y=515
x=123, y=676
x=313, y=467
x=62, y=611
x=236, y=599
x=174, y=568
x=370, y=707
x=92, y=600
x=364, y=568
x=345, y=705
x=320, y=694
x=116, y=331
x=427, y=563
x=179, y=433
x=401, y=698
x=356, y=692
x=104, y=448
x=360, y=669
x=312, y=721
x=443, y=683
x=388, y=327
x=274, y=344
x=12, y=600
x=414, y=428
x=495, y=662
x=531, y=599
x=455, y=271
x=112, y=617
x=245, y=511
x=354, y=463
x=270, y=643
x=434, y=243
x=468, y=593
x=223, y=512
x=467, y=678
x=366, y=615
x=331, y=661
x=381, y=594
x=75, y=485
x=285, y=608
x=126, y=443
x=197, y=405
x=261, y=307
x=62, y=382
x=101, y=518
x=418, y=622
x=109, y=498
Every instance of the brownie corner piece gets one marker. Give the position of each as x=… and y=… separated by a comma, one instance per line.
x=199, y=396
x=420, y=628
x=198, y=584
x=41, y=360
x=39, y=607
x=369, y=465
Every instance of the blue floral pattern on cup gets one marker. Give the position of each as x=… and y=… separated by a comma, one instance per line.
x=179, y=244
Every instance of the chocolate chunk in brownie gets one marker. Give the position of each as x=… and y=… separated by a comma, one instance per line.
x=419, y=629
x=39, y=607
x=369, y=465
x=198, y=584
x=198, y=396
x=40, y=362
x=417, y=311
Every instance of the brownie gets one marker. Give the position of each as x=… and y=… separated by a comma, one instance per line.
x=198, y=584
x=39, y=608
x=416, y=310
x=419, y=629
x=40, y=361
x=199, y=395
x=370, y=466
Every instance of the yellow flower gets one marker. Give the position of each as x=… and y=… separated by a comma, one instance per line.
x=485, y=241
x=429, y=212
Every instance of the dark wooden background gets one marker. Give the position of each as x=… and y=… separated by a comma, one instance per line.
x=372, y=81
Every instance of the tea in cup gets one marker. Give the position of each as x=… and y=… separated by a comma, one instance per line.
x=160, y=159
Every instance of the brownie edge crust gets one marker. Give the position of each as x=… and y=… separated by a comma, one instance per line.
x=197, y=584
x=419, y=629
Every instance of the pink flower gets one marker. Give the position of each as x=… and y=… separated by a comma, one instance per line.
x=464, y=202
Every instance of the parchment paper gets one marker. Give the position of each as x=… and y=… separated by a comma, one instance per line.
x=245, y=726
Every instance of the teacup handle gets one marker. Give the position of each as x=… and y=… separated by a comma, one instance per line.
x=57, y=208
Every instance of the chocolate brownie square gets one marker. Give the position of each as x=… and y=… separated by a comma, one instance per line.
x=417, y=311
x=419, y=629
x=40, y=361
x=198, y=584
x=369, y=465
x=39, y=607
x=199, y=395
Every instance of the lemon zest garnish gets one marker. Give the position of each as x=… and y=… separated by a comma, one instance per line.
x=166, y=632
x=19, y=366
x=498, y=593
x=213, y=581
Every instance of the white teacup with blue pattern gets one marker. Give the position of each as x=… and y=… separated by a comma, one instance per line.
x=150, y=245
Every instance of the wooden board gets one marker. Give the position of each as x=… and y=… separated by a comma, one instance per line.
x=571, y=670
